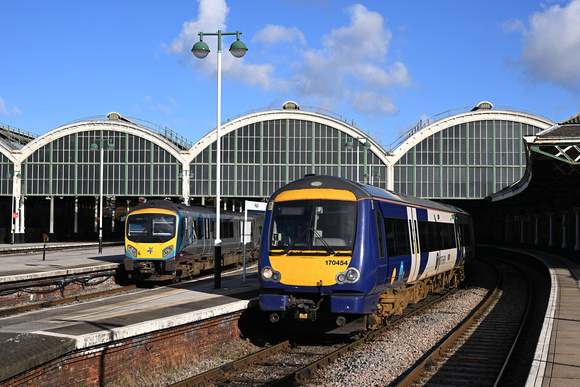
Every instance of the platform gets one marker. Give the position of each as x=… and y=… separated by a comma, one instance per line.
x=31, y=339
x=34, y=338
x=31, y=261
x=557, y=358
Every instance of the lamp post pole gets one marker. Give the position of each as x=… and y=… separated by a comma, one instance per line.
x=201, y=50
x=101, y=202
x=101, y=148
x=366, y=145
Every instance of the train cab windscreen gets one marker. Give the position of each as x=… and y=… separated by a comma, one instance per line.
x=150, y=228
x=313, y=225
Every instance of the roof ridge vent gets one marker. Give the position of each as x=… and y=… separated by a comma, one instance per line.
x=483, y=105
x=290, y=105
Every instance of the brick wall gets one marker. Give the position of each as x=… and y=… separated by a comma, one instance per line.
x=148, y=353
x=38, y=294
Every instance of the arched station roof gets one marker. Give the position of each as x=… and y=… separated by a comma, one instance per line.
x=445, y=120
x=291, y=111
x=467, y=153
x=112, y=122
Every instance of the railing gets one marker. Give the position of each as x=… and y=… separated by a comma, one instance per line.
x=184, y=143
x=14, y=136
x=164, y=131
x=314, y=109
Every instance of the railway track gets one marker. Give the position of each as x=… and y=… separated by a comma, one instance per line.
x=289, y=363
x=479, y=351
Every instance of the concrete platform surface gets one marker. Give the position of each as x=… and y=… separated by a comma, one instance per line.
x=74, y=259
x=33, y=338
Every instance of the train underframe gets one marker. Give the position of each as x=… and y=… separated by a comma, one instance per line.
x=185, y=268
x=391, y=302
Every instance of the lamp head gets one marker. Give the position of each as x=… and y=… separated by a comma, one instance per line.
x=200, y=49
x=238, y=49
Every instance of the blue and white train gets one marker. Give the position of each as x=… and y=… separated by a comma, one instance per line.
x=347, y=256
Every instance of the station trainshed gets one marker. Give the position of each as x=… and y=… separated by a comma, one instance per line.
x=470, y=156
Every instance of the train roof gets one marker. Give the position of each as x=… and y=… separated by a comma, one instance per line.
x=362, y=191
x=163, y=204
x=171, y=206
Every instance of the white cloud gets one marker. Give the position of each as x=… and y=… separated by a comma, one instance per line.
x=211, y=17
x=275, y=34
x=551, y=46
x=352, y=67
x=10, y=111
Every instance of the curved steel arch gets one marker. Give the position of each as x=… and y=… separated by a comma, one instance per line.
x=478, y=115
x=471, y=116
x=83, y=126
x=310, y=116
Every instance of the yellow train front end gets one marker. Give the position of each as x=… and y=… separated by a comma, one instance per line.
x=151, y=239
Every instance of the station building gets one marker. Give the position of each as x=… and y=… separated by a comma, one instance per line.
x=51, y=184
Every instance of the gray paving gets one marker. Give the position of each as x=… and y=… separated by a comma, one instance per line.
x=31, y=339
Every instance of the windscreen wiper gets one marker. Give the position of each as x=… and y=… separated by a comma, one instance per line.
x=291, y=245
x=329, y=249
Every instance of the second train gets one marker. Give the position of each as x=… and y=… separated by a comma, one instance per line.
x=165, y=241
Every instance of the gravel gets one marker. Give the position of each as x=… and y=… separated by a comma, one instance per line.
x=377, y=363
x=381, y=361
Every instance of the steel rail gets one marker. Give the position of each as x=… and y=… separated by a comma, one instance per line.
x=306, y=372
x=433, y=356
x=525, y=318
x=215, y=373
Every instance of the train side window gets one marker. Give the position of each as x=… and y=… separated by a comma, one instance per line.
x=433, y=236
x=424, y=237
x=380, y=239
x=447, y=235
x=397, y=235
x=227, y=229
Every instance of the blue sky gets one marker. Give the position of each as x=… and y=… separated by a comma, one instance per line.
x=385, y=64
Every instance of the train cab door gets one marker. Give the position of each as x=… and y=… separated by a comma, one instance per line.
x=414, y=240
x=382, y=271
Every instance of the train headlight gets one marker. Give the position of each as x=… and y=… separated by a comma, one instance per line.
x=132, y=250
x=351, y=275
x=267, y=273
x=167, y=251
x=270, y=275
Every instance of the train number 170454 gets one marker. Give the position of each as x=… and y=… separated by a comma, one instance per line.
x=334, y=262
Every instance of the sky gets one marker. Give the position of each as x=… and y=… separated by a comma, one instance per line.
x=383, y=64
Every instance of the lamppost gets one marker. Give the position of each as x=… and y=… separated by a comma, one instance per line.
x=365, y=145
x=201, y=50
x=101, y=146
x=14, y=175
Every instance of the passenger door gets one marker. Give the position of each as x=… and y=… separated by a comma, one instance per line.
x=414, y=240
